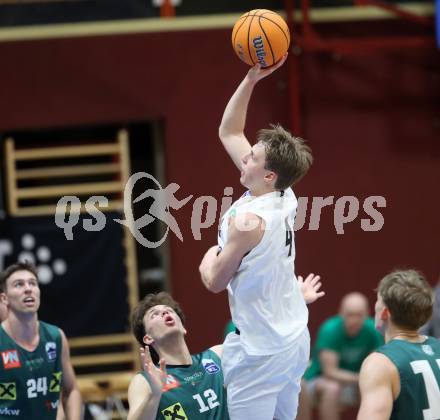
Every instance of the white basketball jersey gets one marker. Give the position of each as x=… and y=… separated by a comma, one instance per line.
x=266, y=302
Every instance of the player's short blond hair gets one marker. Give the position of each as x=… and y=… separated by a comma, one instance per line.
x=409, y=298
x=288, y=156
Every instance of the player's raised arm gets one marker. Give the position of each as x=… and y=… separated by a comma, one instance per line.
x=231, y=130
x=144, y=396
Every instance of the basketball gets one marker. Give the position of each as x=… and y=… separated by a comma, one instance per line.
x=260, y=36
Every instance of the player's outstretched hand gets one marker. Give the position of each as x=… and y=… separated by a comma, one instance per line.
x=257, y=72
x=156, y=375
x=310, y=287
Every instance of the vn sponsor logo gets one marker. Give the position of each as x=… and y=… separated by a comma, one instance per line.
x=10, y=359
x=52, y=405
x=5, y=411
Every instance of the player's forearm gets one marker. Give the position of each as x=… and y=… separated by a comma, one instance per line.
x=214, y=281
x=234, y=116
x=73, y=405
x=147, y=410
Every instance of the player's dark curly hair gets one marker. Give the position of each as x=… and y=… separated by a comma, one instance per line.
x=137, y=318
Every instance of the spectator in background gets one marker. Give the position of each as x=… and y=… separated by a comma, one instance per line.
x=432, y=327
x=342, y=343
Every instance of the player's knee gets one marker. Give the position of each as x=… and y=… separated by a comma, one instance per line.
x=330, y=388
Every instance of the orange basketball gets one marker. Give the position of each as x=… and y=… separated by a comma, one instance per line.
x=260, y=36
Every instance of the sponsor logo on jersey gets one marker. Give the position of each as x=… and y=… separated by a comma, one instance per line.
x=210, y=366
x=174, y=412
x=10, y=359
x=428, y=349
x=34, y=364
x=55, y=382
x=170, y=383
x=5, y=411
x=51, y=405
x=8, y=391
x=51, y=351
x=193, y=378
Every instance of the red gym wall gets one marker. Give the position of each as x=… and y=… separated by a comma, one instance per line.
x=372, y=121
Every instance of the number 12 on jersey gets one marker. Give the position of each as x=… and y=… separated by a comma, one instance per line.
x=211, y=398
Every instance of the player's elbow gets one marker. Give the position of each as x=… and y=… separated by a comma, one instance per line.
x=227, y=134
x=216, y=289
x=223, y=135
x=213, y=287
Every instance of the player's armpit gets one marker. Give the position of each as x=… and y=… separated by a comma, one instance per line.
x=376, y=386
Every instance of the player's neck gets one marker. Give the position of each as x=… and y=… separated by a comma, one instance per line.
x=256, y=192
x=396, y=333
x=174, y=351
x=23, y=329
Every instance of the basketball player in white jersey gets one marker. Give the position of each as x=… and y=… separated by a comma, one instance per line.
x=264, y=360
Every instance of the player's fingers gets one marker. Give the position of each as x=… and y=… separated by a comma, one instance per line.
x=150, y=369
x=147, y=355
x=309, y=278
x=316, y=280
x=280, y=62
x=300, y=279
x=283, y=60
x=256, y=67
x=142, y=354
x=162, y=365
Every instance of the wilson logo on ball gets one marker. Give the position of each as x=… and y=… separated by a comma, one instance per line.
x=260, y=36
x=259, y=50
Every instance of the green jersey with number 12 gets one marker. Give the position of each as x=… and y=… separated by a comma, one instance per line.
x=195, y=391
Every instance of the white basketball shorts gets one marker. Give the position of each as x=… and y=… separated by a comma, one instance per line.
x=264, y=387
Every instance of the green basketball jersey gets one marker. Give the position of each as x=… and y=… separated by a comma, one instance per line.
x=194, y=391
x=419, y=370
x=30, y=382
